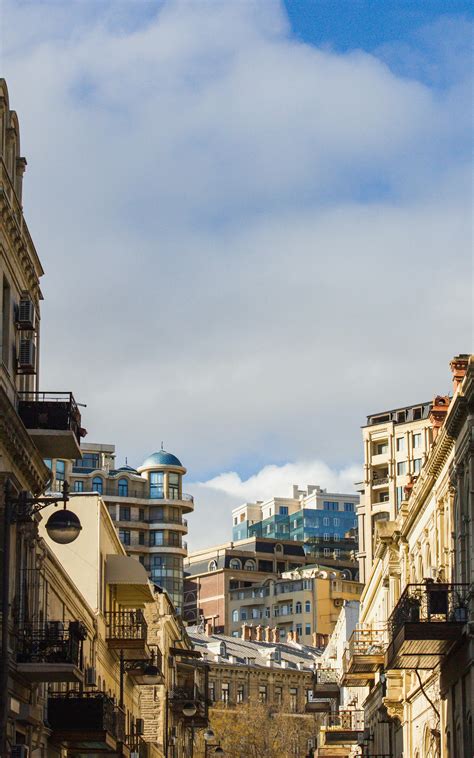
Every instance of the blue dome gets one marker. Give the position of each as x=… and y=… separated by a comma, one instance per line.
x=127, y=468
x=162, y=458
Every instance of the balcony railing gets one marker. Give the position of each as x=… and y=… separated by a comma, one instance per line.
x=50, y=410
x=51, y=651
x=126, y=628
x=137, y=744
x=363, y=656
x=90, y=718
x=352, y=721
x=136, y=493
x=425, y=623
x=378, y=481
x=326, y=676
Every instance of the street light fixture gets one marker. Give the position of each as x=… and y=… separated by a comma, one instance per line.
x=209, y=735
x=189, y=709
x=207, y=746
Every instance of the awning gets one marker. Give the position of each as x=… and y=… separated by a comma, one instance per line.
x=130, y=580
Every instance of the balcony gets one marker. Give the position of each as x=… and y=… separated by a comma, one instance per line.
x=180, y=696
x=344, y=728
x=51, y=652
x=318, y=705
x=326, y=684
x=127, y=630
x=53, y=422
x=380, y=481
x=364, y=655
x=426, y=622
x=87, y=722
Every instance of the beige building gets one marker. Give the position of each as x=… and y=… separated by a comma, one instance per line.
x=410, y=656
x=148, y=507
x=303, y=604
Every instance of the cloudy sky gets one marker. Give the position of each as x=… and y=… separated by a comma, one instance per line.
x=255, y=223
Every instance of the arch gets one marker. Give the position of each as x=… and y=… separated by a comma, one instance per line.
x=235, y=563
x=278, y=548
x=250, y=565
x=212, y=565
x=98, y=485
x=123, y=487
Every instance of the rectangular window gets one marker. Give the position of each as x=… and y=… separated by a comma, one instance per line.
x=212, y=692
x=381, y=448
x=400, y=444
x=240, y=693
x=417, y=465
x=327, y=551
x=60, y=475
x=141, y=538
x=326, y=537
x=325, y=521
x=283, y=510
x=416, y=440
x=225, y=692
x=173, y=486
x=401, y=468
x=307, y=629
x=299, y=629
x=124, y=513
x=156, y=484
x=124, y=536
x=89, y=461
x=278, y=695
x=337, y=551
x=400, y=494
x=156, y=538
x=78, y=486
x=336, y=521
x=336, y=537
x=141, y=514
x=293, y=699
x=384, y=497
x=243, y=614
x=262, y=693
x=349, y=507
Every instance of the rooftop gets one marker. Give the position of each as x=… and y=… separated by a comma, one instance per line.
x=161, y=458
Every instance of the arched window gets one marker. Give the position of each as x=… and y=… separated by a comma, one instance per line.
x=123, y=487
x=250, y=565
x=307, y=606
x=223, y=650
x=212, y=566
x=298, y=607
x=234, y=563
x=98, y=485
x=235, y=616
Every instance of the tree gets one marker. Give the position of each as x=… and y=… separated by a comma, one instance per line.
x=257, y=730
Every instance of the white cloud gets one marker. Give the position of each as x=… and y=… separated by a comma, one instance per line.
x=211, y=523
x=250, y=243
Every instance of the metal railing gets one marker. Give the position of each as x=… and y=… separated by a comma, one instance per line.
x=119, y=724
x=126, y=625
x=50, y=410
x=351, y=721
x=51, y=642
x=186, y=694
x=429, y=603
x=83, y=712
x=132, y=493
x=379, y=480
x=137, y=744
x=370, y=641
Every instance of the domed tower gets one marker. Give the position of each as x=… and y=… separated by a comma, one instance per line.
x=167, y=504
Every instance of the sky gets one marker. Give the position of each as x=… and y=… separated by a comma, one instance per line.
x=255, y=222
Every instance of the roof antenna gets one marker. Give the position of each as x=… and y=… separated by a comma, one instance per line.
x=162, y=445
x=126, y=461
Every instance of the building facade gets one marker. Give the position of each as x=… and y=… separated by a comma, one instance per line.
x=212, y=573
x=325, y=521
x=147, y=506
x=303, y=604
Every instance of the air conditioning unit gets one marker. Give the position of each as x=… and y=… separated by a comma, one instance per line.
x=20, y=751
x=26, y=356
x=91, y=677
x=26, y=314
x=139, y=727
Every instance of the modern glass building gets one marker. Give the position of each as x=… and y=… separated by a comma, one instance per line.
x=326, y=522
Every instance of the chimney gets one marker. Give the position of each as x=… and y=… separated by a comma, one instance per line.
x=246, y=633
x=259, y=633
x=459, y=366
x=275, y=635
x=209, y=628
x=438, y=413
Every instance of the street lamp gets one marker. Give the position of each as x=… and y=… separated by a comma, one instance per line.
x=189, y=709
x=149, y=672
x=207, y=746
x=209, y=735
x=62, y=527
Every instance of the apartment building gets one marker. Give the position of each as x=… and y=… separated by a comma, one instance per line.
x=411, y=653
x=147, y=506
x=327, y=522
x=303, y=604
x=211, y=574
x=33, y=425
x=396, y=443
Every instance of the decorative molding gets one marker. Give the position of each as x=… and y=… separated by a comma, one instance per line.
x=20, y=447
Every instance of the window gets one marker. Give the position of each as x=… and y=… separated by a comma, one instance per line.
x=283, y=510
x=299, y=629
x=416, y=440
x=336, y=537
x=417, y=465
x=123, y=488
x=234, y=563
x=278, y=695
x=141, y=538
x=307, y=606
x=401, y=468
x=156, y=538
x=337, y=551
x=307, y=629
x=173, y=486
x=349, y=507
x=325, y=521
x=88, y=460
x=327, y=551
x=60, y=474
x=295, y=523
x=78, y=486
x=336, y=521
x=298, y=607
x=293, y=699
x=400, y=494
x=48, y=462
x=124, y=535
x=225, y=692
x=326, y=537
x=156, y=484
x=141, y=514
x=250, y=565
x=400, y=444
x=212, y=692
x=417, y=413
x=330, y=505
x=240, y=693
x=235, y=616
x=243, y=614
x=124, y=513
x=262, y=693
x=384, y=497
x=381, y=448
x=97, y=485
x=235, y=521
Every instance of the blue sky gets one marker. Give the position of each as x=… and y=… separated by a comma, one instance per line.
x=255, y=221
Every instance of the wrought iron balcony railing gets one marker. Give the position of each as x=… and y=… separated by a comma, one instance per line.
x=124, y=626
x=83, y=716
x=50, y=410
x=51, y=642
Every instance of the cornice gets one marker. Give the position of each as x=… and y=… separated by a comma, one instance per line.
x=20, y=447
